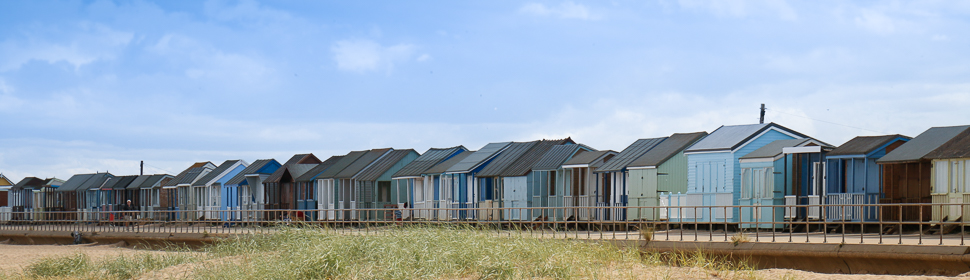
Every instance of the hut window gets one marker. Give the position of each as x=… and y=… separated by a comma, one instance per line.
x=552, y=183
x=384, y=191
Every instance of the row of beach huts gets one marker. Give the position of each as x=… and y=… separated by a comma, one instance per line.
x=760, y=167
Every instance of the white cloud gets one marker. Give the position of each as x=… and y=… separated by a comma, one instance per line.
x=875, y=21
x=201, y=60
x=365, y=55
x=92, y=42
x=940, y=37
x=566, y=10
x=743, y=8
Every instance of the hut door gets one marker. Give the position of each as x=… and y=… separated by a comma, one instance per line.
x=818, y=179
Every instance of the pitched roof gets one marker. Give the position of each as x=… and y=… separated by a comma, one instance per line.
x=478, y=157
x=151, y=181
x=524, y=164
x=923, y=144
x=295, y=159
x=427, y=160
x=668, y=148
x=341, y=164
x=444, y=165
x=120, y=182
x=381, y=166
x=215, y=173
x=83, y=182
x=361, y=163
x=506, y=158
x=75, y=182
x=588, y=157
x=140, y=179
x=631, y=153
x=958, y=147
x=862, y=145
x=312, y=173
x=29, y=183
x=775, y=148
x=189, y=175
x=251, y=169
x=556, y=156
x=730, y=137
x=4, y=181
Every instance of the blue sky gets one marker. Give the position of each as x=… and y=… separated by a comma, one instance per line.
x=99, y=85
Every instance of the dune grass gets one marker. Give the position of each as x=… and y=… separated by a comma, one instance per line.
x=397, y=253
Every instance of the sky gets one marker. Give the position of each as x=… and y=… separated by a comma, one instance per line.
x=95, y=86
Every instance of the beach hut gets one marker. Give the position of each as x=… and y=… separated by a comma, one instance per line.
x=409, y=186
x=548, y=186
x=661, y=170
x=489, y=181
x=147, y=193
x=244, y=191
x=460, y=179
x=333, y=197
x=113, y=191
x=350, y=195
x=24, y=200
x=280, y=187
x=614, y=175
x=307, y=191
x=442, y=196
x=133, y=192
x=853, y=177
x=951, y=174
x=207, y=191
x=5, y=185
x=374, y=182
x=80, y=193
x=907, y=174
x=714, y=178
x=583, y=184
x=537, y=184
x=776, y=175
x=176, y=194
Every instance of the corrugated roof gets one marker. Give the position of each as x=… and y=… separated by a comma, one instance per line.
x=189, y=175
x=152, y=181
x=554, y=158
x=479, y=157
x=297, y=170
x=524, y=164
x=427, y=160
x=341, y=164
x=251, y=169
x=444, y=165
x=120, y=182
x=923, y=144
x=862, y=145
x=295, y=159
x=215, y=173
x=667, y=149
x=587, y=157
x=380, y=167
x=29, y=183
x=320, y=168
x=774, y=148
x=75, y=182
x=361, y=163
x=138, y=181
x=506, y=158
x=631, y=153
x=730, y=137
x=957, y=147
x=96, y=182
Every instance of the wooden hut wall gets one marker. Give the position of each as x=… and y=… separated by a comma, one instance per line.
x=906, y=183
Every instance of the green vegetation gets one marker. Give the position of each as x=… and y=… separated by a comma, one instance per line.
x=397, y=253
